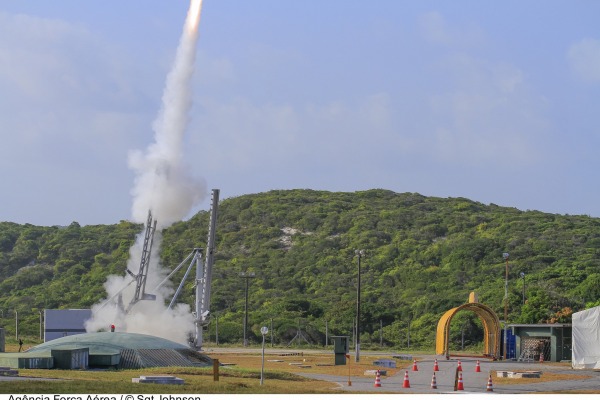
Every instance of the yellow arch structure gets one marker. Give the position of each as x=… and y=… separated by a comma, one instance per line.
x=491, y=328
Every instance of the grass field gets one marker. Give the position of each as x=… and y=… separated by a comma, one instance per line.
x=197, y=380
x=239, y=374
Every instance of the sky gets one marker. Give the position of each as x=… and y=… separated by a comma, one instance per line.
x=497, y=102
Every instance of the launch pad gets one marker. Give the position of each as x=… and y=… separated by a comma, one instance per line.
x=203, y=262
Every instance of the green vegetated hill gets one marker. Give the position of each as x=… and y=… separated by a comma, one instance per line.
x=423, y=256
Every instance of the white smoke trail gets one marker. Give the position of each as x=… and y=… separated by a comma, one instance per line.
x=164, y=186
x=162, y=182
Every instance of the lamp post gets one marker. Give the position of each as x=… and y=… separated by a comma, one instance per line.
x=523, y=276
x=408, y=334
x=16, y=324
x=216, y=329
x=505, y=255
x=264, y=330
x=247, y=276
x=359, y=253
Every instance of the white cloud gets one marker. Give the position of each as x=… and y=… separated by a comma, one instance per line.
x=435, y=29
x=492, y=117
x=483, y=112
x=73, y=113
x=584, y=60
x=240, y=136
x=65, y=87
x=507, y=78
x=214, y=71
x=52, y=61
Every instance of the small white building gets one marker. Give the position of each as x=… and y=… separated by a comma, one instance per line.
x=586, y=339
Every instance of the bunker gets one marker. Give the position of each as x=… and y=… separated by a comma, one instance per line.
x=107, y=350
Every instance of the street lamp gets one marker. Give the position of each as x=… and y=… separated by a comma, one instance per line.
x=359, y=253
x=247, y=276
x=264, y=330
x=523, y=276
x=408, y=333
x=505, y=255
x=16, y=324
x=216, y=329
x=271, y=332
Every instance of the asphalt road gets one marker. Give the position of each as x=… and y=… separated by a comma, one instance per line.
x=473, y=382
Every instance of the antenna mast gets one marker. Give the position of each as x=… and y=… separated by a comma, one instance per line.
x=140, y=278
x=204, y=273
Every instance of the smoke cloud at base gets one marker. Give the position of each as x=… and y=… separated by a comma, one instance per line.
x=164, y=186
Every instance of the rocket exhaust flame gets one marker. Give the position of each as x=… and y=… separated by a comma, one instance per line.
x=193, y=17
x=163, y=185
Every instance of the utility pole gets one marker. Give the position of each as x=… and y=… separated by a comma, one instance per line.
x=505, y=255
x=264, y=330
x=41, y=319
x=247, y=276
x=354, y=331
x=408, y=334
x=359, y=253
x=523, y=276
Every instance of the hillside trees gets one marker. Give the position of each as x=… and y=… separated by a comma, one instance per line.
x=423, y=256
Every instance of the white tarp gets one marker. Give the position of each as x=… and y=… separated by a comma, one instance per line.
x=586, y=339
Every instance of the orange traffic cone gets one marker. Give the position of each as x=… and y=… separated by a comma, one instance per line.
x=542, y=357
x=415, y=368
x=377, y=379
x=460, y=382
x=459, y=366
x=477, y=367
x=435, y=366
x=489, y=387
x=406, y=383
x=433, y=382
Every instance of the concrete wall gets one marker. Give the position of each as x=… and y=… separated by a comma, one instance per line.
x=75, y=358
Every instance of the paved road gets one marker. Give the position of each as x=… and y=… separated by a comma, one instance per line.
x=474, y=382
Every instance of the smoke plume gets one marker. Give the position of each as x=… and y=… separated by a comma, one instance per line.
x=163, y=185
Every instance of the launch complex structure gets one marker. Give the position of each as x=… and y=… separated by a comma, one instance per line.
x=202, y=282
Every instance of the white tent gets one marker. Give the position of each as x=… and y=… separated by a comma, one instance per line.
x=586, y=339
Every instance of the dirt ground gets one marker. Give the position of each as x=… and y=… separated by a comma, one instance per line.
x=298, y=361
